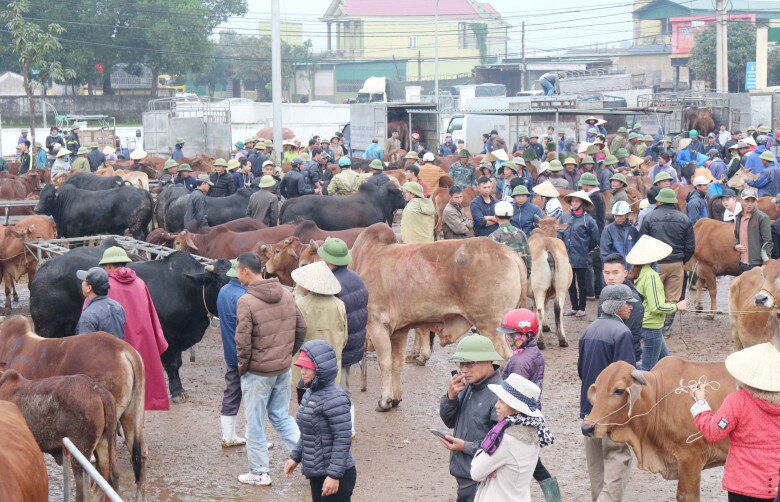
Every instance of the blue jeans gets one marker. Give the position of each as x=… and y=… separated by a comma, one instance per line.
x=263, y=394
x=549, y=89
x=654, y=347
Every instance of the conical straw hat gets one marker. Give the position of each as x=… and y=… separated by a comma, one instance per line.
x=317, y=278
x=587, y=204
x=546, y=189
x=648, y=250
x=757, y=366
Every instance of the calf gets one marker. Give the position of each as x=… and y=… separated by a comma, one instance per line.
x=643, y=409
x=76, y=407
x=287, y=255
x=551, y=275
x=24, y=477
x=752, y=303
x=222, y=243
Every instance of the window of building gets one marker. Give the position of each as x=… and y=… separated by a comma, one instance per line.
x=413, y=42
x=467, y=39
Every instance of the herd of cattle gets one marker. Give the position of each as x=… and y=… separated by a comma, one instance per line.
x=479, y=278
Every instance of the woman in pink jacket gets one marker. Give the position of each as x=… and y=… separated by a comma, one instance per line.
x=750, y=418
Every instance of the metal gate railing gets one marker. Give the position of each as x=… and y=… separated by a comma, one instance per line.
x=69, y=451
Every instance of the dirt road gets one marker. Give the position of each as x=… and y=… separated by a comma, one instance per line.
x=397, y=458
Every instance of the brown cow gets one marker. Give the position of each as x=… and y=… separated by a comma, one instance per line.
x=307, y=230
x=751, y=304
x=287, y=255
x=161, y=237
x=110, y=361
x=76, y=407
x=24, y=476
x=713, y=257
x=740, y=179
x=643, y=409
x=223, y=243
x=480, y=278
x=16, y=259
x=551, y=275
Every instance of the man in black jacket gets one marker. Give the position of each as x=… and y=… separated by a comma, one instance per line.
x=25, y=159
x=54, y=138
x=615, y=272
x=667, y=224
x=195, y=212
x=224, y=182
x=293, y=185
x=95, y=157
x=312, y=171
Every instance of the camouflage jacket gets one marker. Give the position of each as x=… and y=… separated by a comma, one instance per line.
x=514, y=238
x=462, y=176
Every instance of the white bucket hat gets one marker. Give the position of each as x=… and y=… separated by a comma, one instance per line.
x=620, y=208
x=317, y=278
x=519, y=394
x=546, y=189
x=757, y=366
x=648, y=250
x=138, y=154
x=543, y=167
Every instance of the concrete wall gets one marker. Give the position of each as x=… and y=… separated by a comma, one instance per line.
x=124, y=108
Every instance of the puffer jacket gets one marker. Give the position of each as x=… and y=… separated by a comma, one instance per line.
x=323, y=417
x=355, y=297
x=580, y=237
x=528, y=364
x=696, y=207
x=312, y=174
x=618, y=239
x=270, y=329
x=224, y=185
x=669, y=225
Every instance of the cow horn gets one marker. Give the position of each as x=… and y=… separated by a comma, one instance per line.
x=639, y=377
x=190, y=243
x=287, y=242
x=263, y=247
x=209, y=268
x=313, y=245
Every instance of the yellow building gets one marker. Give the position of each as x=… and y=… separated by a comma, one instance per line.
x=470, y=32
x=291, y=33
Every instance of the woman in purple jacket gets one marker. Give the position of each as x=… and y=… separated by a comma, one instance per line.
x=520, y=327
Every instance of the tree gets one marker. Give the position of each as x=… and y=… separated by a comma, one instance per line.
x=742, y=48
x=36, y=51
x=773, y=71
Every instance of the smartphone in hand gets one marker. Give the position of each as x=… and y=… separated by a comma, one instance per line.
x=439, y=434
x=454, y=372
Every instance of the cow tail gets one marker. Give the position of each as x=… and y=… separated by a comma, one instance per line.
x=137, y=393
x=109, y=433
x=138, y=461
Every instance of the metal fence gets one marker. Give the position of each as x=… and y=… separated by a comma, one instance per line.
x=69, y=451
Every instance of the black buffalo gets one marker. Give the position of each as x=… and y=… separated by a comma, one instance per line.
x=164, y=198
x=89, y=181
x=219, y=209
x=184, y=293
x=79, y=213
x=369, y=205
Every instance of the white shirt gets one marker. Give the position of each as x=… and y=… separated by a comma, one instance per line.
x=732, y=215
x=723, y=137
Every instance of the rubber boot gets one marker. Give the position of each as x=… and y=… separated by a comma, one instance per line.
x=229, y=437
x=352, y=417
x=550, y=489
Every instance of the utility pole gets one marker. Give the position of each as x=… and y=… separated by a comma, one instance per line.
x=436, y=56
x=523, y=69
x=721, y=47
x=276, y=78
x=762, y=54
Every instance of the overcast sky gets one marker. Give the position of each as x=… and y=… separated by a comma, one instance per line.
x=550, y=26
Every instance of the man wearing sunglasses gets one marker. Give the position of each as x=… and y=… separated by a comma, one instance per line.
x=468, y=407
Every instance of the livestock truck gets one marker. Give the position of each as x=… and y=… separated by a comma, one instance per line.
x=376, y=120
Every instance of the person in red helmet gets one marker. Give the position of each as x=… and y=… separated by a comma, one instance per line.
x=520, y=326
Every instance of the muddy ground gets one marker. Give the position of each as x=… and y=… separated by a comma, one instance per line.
x=397, y=458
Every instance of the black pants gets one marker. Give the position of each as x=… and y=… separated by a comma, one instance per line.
x=346, y=486
x=578, y=289
x=745, y=267
x=231, y=397
x=595, y=273
x=540, y=472
x=736, y=497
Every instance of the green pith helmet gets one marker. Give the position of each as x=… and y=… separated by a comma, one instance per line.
x=666, y=196
x=233, y=272
x=621, y=153
x=619, y=177
x=511, y=165
x=610, y=160
x=114, y=254
x=556, y=166
x=170, y=163
x=83, y=151
x=414, y=189
x=184, y=167
x=520, y=190
x=220, y=163
x=475, y=348
x=335, y=251
x=663, y=175
x=587, y=160
x=377, y=164
x=588, y=179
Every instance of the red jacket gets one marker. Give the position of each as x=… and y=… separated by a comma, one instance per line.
x=753, y=428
